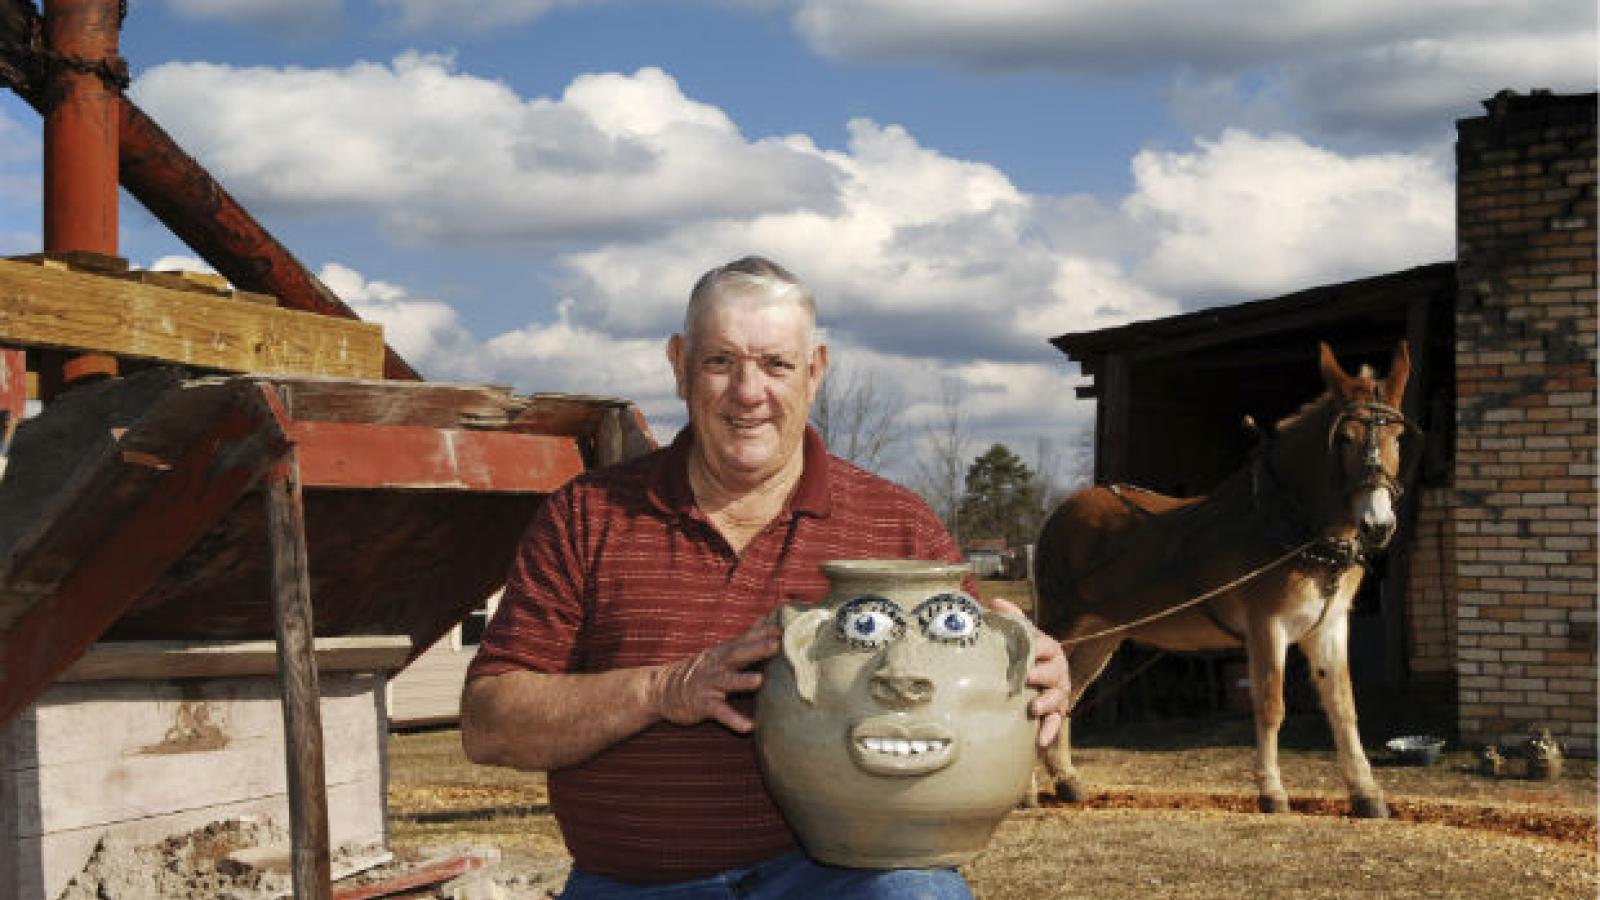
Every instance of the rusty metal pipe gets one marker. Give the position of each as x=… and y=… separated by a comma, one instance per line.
x=80, y=130
x=80, y=152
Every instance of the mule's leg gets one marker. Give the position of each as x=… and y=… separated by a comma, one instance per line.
x=1267, y=647
x=1327, y=650
x=1085, y=662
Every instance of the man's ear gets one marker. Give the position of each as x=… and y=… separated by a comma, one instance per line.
x=1019, y=646
x=801, y=625
x=819, y=368
x=680, y=365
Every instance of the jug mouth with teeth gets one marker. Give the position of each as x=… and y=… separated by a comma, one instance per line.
x=896, y=747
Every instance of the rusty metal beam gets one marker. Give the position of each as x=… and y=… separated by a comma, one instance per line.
x=183, y=195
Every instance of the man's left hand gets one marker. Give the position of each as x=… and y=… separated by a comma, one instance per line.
x=1049, y=674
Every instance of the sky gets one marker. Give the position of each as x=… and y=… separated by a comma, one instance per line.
x=523, y=191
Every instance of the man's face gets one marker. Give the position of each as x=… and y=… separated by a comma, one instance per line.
x=748, y=382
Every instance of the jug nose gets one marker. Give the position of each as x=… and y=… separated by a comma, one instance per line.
x=895, y=685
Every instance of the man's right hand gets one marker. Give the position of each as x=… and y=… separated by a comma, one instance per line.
x=695, y=689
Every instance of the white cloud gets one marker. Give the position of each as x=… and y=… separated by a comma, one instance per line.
x=470, y=15
x=925, y=266
x=1372, y=66
x=289, y=18
x=426, y=333
x=179, y=263
x=1247, y=216
x=441, y=156
x=556, y=356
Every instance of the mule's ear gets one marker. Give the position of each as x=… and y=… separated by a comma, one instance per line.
x=801, y=626
x=1333, y=376
x=1394, y=385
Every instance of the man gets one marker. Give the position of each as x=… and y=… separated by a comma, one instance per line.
x=624, y=653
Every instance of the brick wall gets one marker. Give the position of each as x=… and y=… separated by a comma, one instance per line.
x=1523, y=520
x=1430, y=592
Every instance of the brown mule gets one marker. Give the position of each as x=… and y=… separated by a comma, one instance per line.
x=1272, y=557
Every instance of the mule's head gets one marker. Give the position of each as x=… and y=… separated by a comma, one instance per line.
x=1371, y=443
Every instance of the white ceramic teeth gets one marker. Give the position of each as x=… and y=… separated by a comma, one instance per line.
x=897, y=747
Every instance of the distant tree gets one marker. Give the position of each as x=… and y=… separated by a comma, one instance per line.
x=1060, y=473
x=941, y=464
x=858, y=415
x=1001, y=498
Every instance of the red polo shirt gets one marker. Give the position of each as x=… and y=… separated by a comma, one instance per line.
x=619, y=568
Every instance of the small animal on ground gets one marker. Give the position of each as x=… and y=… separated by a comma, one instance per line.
x=1272, y=557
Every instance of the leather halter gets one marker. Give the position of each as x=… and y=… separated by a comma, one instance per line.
x=1374, y=416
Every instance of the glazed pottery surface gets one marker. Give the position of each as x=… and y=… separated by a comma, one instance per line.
x=893, y=727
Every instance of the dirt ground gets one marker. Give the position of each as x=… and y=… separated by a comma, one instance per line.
x=1172, y=816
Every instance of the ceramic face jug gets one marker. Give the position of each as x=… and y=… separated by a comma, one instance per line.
x=893, y=727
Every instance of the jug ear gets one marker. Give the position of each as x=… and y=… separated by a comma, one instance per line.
x=801, y=626
x=1019, y=645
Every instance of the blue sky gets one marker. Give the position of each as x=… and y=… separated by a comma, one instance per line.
x=522, y=191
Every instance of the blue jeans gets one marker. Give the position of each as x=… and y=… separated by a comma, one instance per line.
x=792, y=876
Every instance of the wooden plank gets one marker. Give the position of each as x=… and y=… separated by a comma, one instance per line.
x=432, y=404
x=215, y=659
x=102, y=724
x=297, y=676
x=142, y=541
x=145, y=782
x=426, y=875
x=47, y=308
x=573, y=415
x=411, y=457
x=70, y=483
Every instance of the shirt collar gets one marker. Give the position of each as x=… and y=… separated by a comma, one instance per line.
x=669, y=489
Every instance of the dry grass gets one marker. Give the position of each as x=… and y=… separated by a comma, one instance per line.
x=1164, y=825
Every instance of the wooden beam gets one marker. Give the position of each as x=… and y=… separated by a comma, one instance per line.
x=144, y=533
x=1114, y=420
x=434, y=404
x=127, y=660
x=414, y=457
x=297, y=678
x=47, y=308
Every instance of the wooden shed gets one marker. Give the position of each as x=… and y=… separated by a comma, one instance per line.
x=1171, y=396
x=1483, y=609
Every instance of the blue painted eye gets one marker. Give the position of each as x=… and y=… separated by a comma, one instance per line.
x=869, y=622
x=950, y=618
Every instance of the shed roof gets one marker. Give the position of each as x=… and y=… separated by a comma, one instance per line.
x=1385, y=296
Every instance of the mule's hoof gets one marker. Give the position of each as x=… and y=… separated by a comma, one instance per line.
x=1070, y=790
x=1369, y=807
x=1273, y=803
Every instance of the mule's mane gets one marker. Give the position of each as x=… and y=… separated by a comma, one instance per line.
x=1367, y=389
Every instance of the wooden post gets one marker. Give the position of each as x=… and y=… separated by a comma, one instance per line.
x=297, y=679
x=1112, y=457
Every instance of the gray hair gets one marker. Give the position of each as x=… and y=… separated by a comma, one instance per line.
x=750, y=278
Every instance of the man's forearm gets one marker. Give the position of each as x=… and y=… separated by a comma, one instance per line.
x=538, y=722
